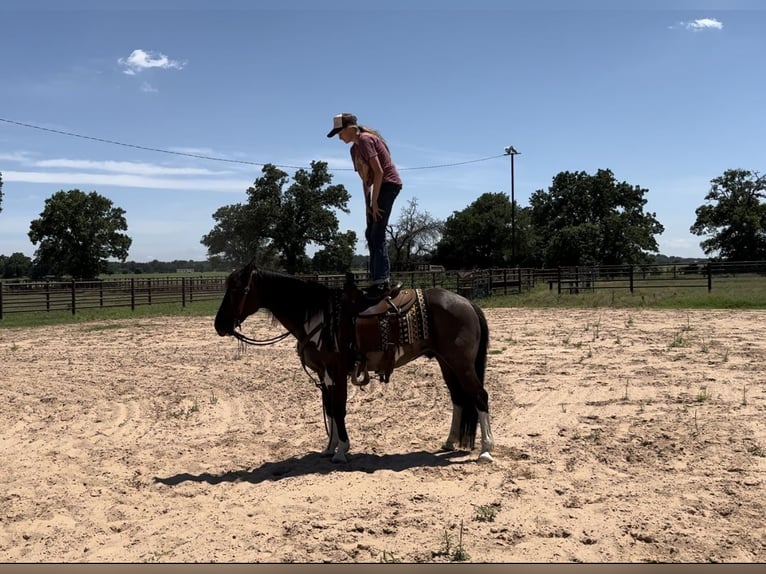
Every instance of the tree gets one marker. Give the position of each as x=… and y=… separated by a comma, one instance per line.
x=478, y=236
x=735, y=220
x=592, y=220
x=337, y=254
x=239, y=235
x=279, y=222
x=413, y=238
x=16, y=266
x=77, y=232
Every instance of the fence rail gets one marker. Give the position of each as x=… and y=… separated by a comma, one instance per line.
x=73, y=296
x=76, y=296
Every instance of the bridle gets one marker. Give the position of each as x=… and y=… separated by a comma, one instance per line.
x=244, y=338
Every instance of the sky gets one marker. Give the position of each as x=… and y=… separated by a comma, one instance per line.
x=170, y=109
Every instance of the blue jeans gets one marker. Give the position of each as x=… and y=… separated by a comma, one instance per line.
x=380, y=266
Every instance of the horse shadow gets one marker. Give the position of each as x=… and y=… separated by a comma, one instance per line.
x=315, y=463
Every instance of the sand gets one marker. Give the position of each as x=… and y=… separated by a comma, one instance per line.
x=621, y=436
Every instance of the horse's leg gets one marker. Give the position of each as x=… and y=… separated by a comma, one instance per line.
x=339, y=392
x=453, y=385
x=467, y=399
x=487, y=440
x=332, y=430
x=334, y=396
x=454, y=429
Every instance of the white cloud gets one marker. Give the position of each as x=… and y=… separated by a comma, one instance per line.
x=125, y=167
x=18, y=156
x=140, y=60
x=701, y=24
x=81, y=180
x=147, y=88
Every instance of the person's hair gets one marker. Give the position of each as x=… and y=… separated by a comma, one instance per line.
x=376, y=133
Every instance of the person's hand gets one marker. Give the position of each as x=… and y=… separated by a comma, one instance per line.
x=377, y=212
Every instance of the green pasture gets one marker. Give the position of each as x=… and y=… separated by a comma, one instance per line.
x=742, y=292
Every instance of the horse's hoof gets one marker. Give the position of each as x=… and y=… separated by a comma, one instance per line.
x=339, y=458
x=449, y=446
x=486, y=457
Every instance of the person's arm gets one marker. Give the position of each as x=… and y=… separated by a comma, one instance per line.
x=377, y=183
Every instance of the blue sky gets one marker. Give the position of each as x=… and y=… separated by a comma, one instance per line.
x=668, y=96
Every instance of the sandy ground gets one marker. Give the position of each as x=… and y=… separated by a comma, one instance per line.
x=622, y=436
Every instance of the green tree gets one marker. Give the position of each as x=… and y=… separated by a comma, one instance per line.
x=239, y=235
x=478, y=236
x=77, y=233
x=16, y=266
x=592, y=220
x=413, y=238
x=279, y=222
x=735, y=218
x=337, y=254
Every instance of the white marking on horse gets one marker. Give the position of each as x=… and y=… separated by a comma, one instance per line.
x=487, y=441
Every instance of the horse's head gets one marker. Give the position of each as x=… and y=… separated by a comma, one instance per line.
x=240, y=300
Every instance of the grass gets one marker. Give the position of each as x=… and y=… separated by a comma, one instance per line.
x=486, y=512
x=730, y=293
x=40, y=319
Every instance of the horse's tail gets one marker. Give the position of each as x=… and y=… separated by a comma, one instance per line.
x=469, y=415
x=481, y=355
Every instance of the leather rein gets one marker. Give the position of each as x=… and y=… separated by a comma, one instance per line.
x=264, y=342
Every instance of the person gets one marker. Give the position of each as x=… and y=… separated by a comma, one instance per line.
x=381, y=184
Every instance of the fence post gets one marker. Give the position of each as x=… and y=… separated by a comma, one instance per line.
x=183, y=291
x=74, y=297
x=709, y=278
x=132, y=294
x=631, y=279
x=2, y=286
x=101, y=294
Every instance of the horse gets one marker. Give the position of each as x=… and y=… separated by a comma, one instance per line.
x=335, y=341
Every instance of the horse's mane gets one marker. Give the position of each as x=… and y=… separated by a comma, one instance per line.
x=291, y=296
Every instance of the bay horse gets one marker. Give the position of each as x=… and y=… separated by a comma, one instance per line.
x=328, y=322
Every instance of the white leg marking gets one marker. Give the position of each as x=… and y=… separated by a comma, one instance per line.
x=340, y=455
x=454, y=428
x=333, y=442
x=487, y=441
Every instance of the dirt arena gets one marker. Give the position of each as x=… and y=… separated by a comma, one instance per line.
x=622, y=436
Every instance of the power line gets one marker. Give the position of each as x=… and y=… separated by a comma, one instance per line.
x=221, y=159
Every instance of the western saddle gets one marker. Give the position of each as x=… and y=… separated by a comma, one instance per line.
x=379, y=325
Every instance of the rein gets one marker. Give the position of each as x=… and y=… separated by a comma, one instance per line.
x=244, y=338
x=259, y=342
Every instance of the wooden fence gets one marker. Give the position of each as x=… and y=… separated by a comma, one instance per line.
x=73, y=296
x=76, y=296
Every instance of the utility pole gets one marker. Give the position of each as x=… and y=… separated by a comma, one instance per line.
x=511, y=151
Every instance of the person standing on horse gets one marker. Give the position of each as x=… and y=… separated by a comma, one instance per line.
x=381, y=184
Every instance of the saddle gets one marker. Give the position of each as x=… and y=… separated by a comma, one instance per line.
x=381, y=326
